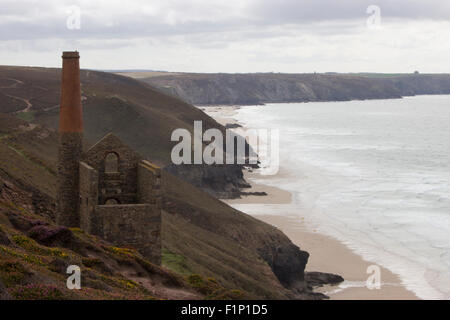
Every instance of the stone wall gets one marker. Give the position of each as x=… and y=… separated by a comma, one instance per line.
x=88, y=196
x=131, y=225
x=70, y=148
x=149, y=183
x=134, y=220
x=120, y=186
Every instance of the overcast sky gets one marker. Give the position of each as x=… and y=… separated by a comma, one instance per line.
x=230, y=35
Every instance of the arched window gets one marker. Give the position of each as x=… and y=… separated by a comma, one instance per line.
x=111, y=163
x=111, y=201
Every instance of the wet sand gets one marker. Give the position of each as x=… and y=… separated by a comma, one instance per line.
x=326, y=254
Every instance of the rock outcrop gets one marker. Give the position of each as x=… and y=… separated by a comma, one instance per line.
x=286, y=262
x=221, y=181
x=318, y=279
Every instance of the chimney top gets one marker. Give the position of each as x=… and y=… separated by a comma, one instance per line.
x=71, y=113
x=70, y=55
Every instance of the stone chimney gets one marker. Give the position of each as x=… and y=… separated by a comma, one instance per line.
x=70, y=141
x=71, y=114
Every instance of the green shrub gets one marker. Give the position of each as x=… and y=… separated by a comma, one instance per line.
x=195, y=280
x=124, y=252
x=212, y=289
x=31, y=245
x=92, y=262
x=36, y=292
x=207, y=287
x=12, y=272
x=174, y=262
x=27, y=257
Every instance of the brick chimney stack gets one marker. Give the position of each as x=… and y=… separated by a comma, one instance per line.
x=71, y=114
x=70, y=141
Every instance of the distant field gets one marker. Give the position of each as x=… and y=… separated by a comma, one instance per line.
x=146, y=74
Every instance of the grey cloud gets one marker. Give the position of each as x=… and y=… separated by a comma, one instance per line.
x=319, y=10
x=47, y=19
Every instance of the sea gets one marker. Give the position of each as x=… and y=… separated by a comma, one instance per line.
x=373, y=174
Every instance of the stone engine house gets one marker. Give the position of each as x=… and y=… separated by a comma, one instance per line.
x=109, y=190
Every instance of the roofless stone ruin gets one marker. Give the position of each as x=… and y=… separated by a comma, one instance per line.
x=109, y=190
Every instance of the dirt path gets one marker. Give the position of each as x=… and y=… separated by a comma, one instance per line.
x=27, y=102
x=14, y=85
x=159, y=289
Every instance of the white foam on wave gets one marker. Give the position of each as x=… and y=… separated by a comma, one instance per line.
x=374, y=175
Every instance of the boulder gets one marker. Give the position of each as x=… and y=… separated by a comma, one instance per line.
x=23, y=223
x=288, y=264
x=318, y=279
x=51, y=235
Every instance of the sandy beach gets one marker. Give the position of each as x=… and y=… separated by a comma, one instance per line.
x=326, y=254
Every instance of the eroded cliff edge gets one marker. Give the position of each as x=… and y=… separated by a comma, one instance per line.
x=220, y=181
x=260, y=88
x=202, y=236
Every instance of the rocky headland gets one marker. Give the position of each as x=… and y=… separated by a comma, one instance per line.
x=260, y=88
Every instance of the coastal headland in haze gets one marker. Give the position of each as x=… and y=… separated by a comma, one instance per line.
x=260, y=88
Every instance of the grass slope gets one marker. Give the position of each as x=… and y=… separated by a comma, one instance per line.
x=140, y=115
x=201, y=235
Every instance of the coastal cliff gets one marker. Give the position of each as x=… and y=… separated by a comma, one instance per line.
x=210, y=250
x=260, y=88
x=220, y=181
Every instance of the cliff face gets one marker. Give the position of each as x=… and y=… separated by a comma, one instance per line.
x=229, y=226
x=202, y=238
x=221, y=181
x=244, y=89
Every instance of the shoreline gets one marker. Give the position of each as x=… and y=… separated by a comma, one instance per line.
x=327, y=254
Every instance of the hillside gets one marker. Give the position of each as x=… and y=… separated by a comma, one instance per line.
x=259, y=88
x=137, y=113
x=209, y=249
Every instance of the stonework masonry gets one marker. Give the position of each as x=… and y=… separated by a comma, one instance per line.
x=69, y=155
x=71, y=112
x=119, y=184
x=122, y=203
x=149, y=183
x=109, y=190
x=88, y=196
x=131, y=225
x=70, y=140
